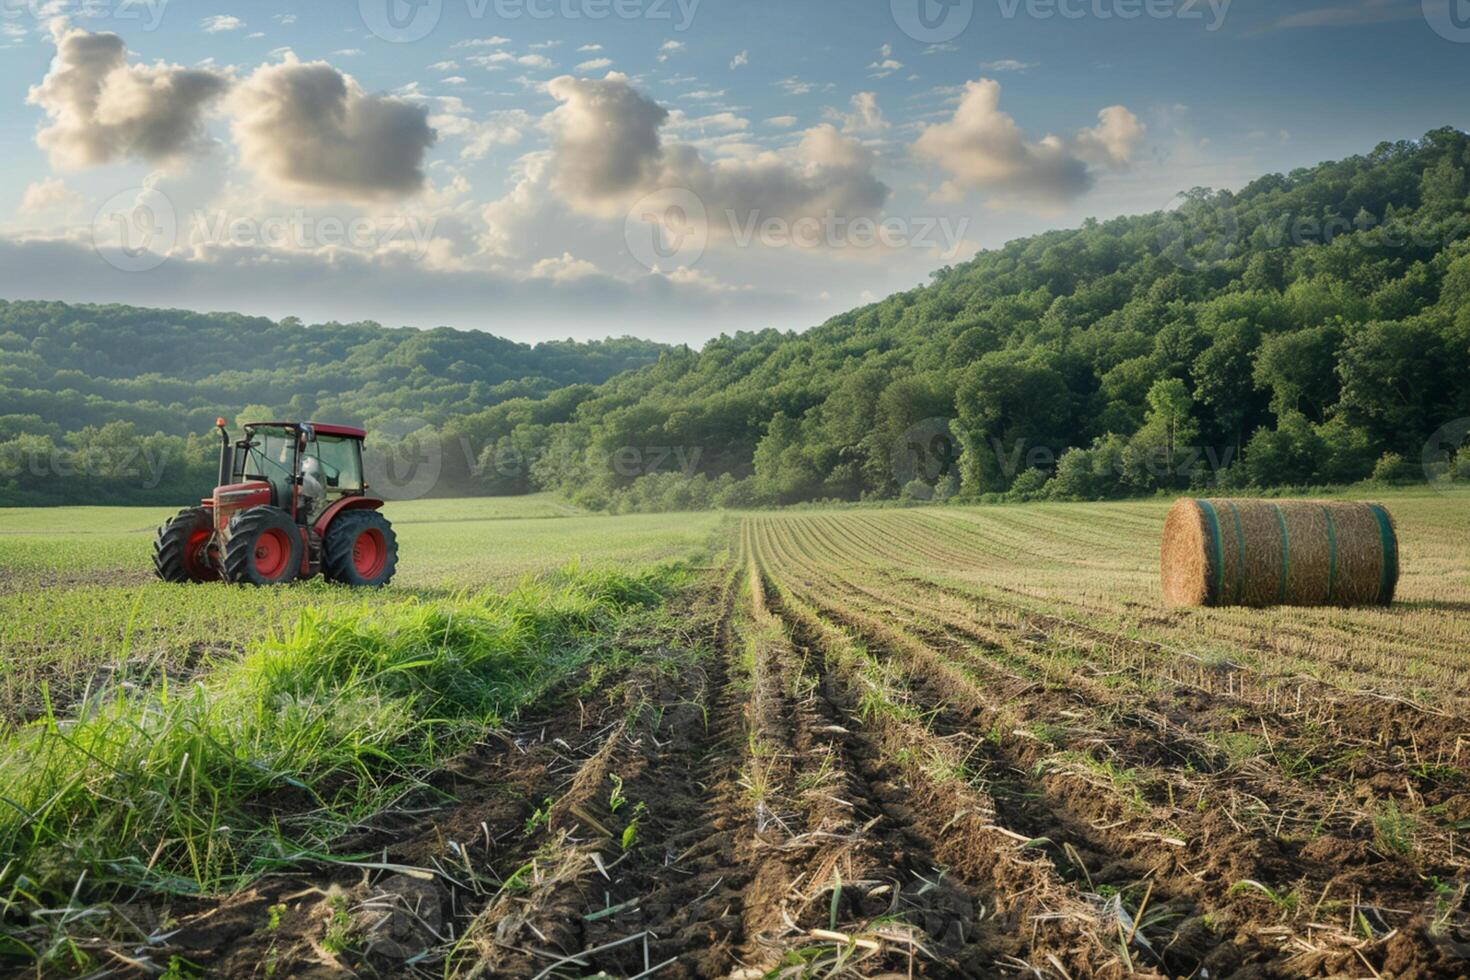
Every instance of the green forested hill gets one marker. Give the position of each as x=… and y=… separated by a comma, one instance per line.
x=1312, y=328
x=83, y=384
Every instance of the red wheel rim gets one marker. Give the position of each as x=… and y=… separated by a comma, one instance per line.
x=369, y=553
x=272, y=553
x=195, y=561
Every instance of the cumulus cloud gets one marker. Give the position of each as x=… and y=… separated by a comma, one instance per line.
x=49, y=197
x=740, y=60
x=865, y=116
x=101, y=108
x=1008, y=64
x=564, y=269
x=481, y=134
x=607, y=152
x=886, y=64
x=311, y=131
x=1114, y=140
x=984, y=149
x=220, y=23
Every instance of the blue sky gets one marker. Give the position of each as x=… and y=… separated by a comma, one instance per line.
x=674, y=172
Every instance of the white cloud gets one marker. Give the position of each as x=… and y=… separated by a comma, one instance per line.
x=670, y=48
x=285, y=20
x=565, y=268
x=1113, y=141
x=450, y=65
x=724, y=121
x=740, y=60
x=50, y=197
x=349, y=53
x=311, y=131
x=586, y=48
x=220, y=23
x=103, y=109
x=607, y=153
x=501, y=58
x=782, y=122
x=502, y=128
x=983, y=149
x=886, y=64
x=483, y=42
x=865, y=116
x=595, y=64
x=1009, y=64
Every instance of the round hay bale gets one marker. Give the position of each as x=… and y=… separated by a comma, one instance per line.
x=1279, y=553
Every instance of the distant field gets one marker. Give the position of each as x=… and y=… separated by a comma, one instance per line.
x=78, y=596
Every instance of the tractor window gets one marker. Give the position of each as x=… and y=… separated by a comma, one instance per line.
x=341, y=461
x=271, y=457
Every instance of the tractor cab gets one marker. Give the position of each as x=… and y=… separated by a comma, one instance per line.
x=291, y=501
x=305, y=467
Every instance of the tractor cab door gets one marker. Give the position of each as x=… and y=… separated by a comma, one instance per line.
x=270, y=456
x=338, y=462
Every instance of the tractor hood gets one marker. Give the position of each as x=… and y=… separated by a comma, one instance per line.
x=230, y=500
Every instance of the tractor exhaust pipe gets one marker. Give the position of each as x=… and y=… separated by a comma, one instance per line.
x=226, y=455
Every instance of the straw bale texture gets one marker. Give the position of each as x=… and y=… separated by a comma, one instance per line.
x=1279, y=553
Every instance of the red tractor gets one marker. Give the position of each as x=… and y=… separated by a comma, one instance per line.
x=291, y=502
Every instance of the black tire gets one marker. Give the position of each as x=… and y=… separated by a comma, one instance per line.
x=264, y=548
x=360, y=549
x=177, y=548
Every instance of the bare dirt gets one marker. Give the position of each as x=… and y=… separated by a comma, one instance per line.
x=843, y=774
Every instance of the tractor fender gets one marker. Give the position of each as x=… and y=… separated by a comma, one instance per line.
x=345, y=504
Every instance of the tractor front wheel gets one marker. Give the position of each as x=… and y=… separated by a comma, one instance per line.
x=181, y=549
x=360, y=549
x=264, y=548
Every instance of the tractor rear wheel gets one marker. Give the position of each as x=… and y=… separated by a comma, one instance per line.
x=180, y=551
x=264, y=548
x=360, y=549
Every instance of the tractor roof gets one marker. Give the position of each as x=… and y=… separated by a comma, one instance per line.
x=346, y=431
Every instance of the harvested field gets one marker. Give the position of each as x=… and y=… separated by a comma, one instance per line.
x=940, y=742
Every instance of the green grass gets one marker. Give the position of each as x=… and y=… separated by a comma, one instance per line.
x=265, y=761
x=80, y=610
